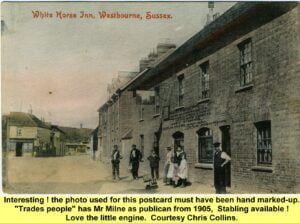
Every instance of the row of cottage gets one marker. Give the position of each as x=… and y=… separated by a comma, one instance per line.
x=26, y=135
x=235, y=82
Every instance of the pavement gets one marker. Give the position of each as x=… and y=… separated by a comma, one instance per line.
x=79, y=174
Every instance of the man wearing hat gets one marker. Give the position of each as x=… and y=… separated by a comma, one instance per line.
x=134, y=161
x=220, y=160
x=115, y=161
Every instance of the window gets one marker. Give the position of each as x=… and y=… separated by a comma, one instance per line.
x=204, y=80
x=142, y=144
x=104, y=118
x=19, y=132
x=113, y=108
x=166, y=113
x=112, y=117
x=101, y=119
x=178, y=140
x=264, y=143
x=100, y=141
x=52, y=135
x=205, y=146
x=141, y=112
x=180, y=90
x=156, y=98
x=245, y=62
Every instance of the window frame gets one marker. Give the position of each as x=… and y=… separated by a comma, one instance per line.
x=205, y=136
x=180, y=80
x=19, y=132
x=166, y=113
x=264, y=151
x=100, y=141
x=141, y=111
x=204, y=80
x=246, y=62
x=157, y=108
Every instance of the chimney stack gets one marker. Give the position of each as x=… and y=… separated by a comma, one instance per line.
x=164, y=47
x=211, y=16
x=153, y=56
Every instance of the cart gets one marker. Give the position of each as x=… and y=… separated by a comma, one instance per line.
x=151, y=183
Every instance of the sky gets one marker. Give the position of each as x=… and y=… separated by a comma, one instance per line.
x=60, y=68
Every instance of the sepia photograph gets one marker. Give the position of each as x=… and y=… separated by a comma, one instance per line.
x=150, y=97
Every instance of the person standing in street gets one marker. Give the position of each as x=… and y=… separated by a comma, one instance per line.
x=220, y=160
x=183, y=171
x=167, y=165
x=134, y=161
x=115, y=161
x=176, y=159
x=171, y=170
x=179, y=156
x=154, y=164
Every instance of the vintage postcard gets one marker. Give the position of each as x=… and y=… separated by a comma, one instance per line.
x=150, y=97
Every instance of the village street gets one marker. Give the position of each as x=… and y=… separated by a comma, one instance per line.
x=81, y=175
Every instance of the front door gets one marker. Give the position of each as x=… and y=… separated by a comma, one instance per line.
x=19, y=149
x=178, y=140
x=226, y=148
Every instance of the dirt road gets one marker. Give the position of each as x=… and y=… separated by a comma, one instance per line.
x=79, y=175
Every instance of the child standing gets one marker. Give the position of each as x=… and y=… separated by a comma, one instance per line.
x=154, y=164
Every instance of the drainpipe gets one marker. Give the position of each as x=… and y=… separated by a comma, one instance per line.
x=119, y=130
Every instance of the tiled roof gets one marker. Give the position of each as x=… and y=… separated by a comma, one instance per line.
x=76, y=134
x=25, y=119
x=239, y=14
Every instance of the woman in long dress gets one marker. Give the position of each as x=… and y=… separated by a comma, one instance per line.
x=167, y=179
x=173, y=170
x=183, y=171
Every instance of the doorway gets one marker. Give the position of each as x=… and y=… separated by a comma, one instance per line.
x=19, y=149
x=227, y=149
x=178, y=140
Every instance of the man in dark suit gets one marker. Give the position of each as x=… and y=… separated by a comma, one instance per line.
x=115, y=161
x=220, y=160
x=134, y=161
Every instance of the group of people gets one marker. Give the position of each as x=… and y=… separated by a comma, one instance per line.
x=134, y=162
x=175, y=168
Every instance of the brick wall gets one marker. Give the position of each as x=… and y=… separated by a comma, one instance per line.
x=274, y=96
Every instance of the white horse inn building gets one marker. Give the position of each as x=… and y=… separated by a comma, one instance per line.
x=235, y=82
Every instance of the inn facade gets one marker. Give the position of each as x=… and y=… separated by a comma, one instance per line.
x=235, y=82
